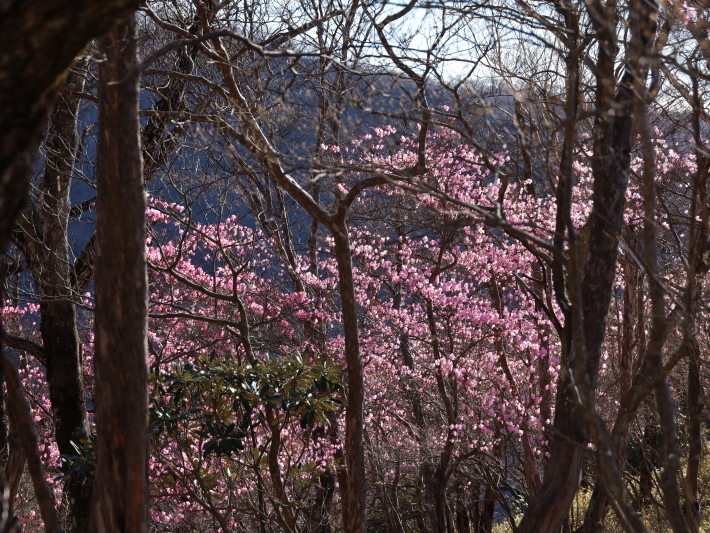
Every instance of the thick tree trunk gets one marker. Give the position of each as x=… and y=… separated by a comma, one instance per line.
x=599, y=503
x=548, y=510
x=613, y=129
x=39, y=41
x=320, y=512
x=463, y=524
x=60, y=337
x=66, y=390
x=435, y=505
x=693, y=302
x=5, y=429
x=121, y=486
x=695, y=447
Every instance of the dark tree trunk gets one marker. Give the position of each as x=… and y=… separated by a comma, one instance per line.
x=599, y=503
x=4, y=429
x=548, y=510
x=62, y=347
x=320, y=517
x=463, y=523
x=435, y=505
x=610, y=168
x=650, y=462
x=695, y=448
x=476, y=507
x=121, y=486
x=36, y=55
x=693, y=302
x=488, y=511
x=16, y=460
x=28, y=440
x=159, y=138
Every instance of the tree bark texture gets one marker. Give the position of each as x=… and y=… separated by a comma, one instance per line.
x=60, y=337
x=355, y=506
x=599, y=503
x=693, y=302
x=28, y=438
x=121, y=486
x=610, y=168
x=39, y=40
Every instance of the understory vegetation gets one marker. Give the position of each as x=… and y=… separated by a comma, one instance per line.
x=289, y=266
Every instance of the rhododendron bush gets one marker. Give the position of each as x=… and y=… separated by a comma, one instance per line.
x=460, y=343
x=456, y=354
x=319, y=267
x=246, y=354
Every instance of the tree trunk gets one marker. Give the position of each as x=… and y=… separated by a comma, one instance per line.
x=320, y=512
x=695, y=448
x=121, y=487
x=16, y=460
x=548, y=509
x=488, y=513
x=29, y=442
x=599, y=503
x=650, y=462
x=613, y=129
x=355, y=505
x=693, y=301
x=39, y=41
x=60, y=337
x=463, y=524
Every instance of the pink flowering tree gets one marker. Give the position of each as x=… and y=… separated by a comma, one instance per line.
x=456, y=348
x=460, y=341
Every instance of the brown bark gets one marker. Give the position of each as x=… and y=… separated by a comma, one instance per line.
x=659, y=325
x=488, y=511
x=159, y=138
x=28, y=438
x=285, y=514
x=598, y=503
x=590, y=296
x=548, y=509
x=463, y=524
x=355, y=505
x=649, y=463
x=33, y=66
x=62, y=346
x=320, y=512
x=121, y=487
x=695, y=448
x=693, y=298
x=12, y=457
